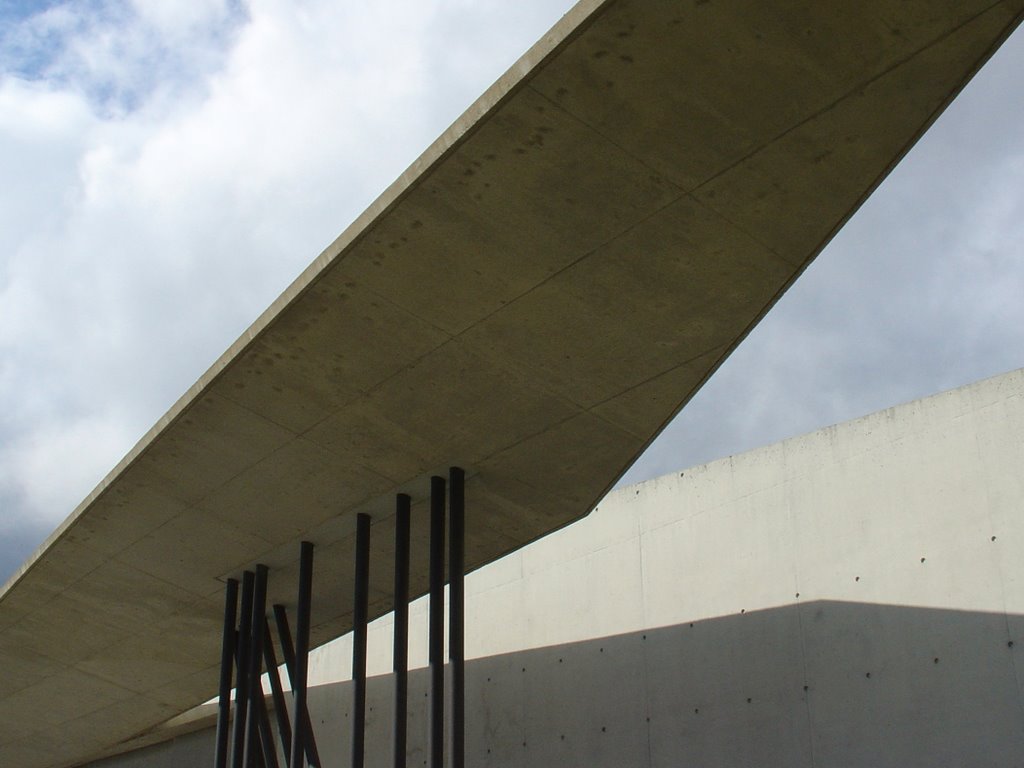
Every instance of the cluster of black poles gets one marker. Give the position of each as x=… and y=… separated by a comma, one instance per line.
x=248, y=649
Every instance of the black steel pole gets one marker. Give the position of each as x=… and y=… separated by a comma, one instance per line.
x=400, y=664
x=457, y=612
x=301, y=655
x=242, y=687
x=359, y=619
x=266, y=735
x=284, y=728
x=227, y=659
x=284, y=633
x=436, y=629
x=253, y=741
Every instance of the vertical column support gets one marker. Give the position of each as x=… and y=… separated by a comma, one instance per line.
x=242, y=687
x=258, y=727
x=299, y=715
x=456, y=612
x=436, y=630
x=359, y=620
x=227, y=659
x=400, y=664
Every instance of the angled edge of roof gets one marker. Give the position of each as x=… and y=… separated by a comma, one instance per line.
x=574, y=22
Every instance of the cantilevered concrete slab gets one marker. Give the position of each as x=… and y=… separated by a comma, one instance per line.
x=532, y=300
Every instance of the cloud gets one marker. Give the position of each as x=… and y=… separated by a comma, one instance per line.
x=119, y=52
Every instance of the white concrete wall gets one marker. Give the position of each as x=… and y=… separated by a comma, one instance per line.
x=853, y=597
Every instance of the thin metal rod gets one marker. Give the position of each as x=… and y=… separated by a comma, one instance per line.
x=359, y=620
x=284, y=634
x=284, y=727
x=400, y=664
x=266, y=735
x=301, y=655
x=436, y=630
x=457, y=612
x=253, y=740
x=227, y=658
x=242, y=688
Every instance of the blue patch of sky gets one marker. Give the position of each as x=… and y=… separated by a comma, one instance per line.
x=35, y=35
x=13, y=11
x=38, y=42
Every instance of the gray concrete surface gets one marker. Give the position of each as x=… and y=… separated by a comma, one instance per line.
x=532, y=300
x=852, y=597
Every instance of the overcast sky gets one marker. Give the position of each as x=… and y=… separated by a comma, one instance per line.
x=170, y=167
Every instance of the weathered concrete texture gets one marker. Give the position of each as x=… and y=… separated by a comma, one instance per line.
x=532, y=300
x=848, y=598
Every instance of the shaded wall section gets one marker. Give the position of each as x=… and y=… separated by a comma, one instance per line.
x=852, y=597
x=820, y=683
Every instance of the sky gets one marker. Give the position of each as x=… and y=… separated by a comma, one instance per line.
x=169, y=168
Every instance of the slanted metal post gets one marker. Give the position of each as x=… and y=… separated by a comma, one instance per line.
x=266, y=735
x=284, y=634
x=436, y=629
x=359, y=620
x=456, y=612
x=401, y=642
x=227, y=658
x=242, y=687
x=301, y=655
x=284, y=728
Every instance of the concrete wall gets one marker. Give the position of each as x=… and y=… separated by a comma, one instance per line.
x=851, y=597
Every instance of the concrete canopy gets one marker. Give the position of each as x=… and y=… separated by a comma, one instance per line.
x=532, y=300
